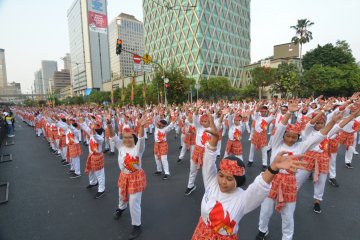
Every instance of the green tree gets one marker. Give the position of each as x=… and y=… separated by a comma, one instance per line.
x=216, y=88
x=287, y=80
x=99, y=97
x=329, y=55
x=249, y=91
x=30, y=103
x=303, y=35
x=262, y=77
x=179, y=84
x=332, y=81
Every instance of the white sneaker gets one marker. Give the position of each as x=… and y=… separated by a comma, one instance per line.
x=356, y=153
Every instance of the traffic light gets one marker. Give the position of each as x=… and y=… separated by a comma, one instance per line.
x=118, y=46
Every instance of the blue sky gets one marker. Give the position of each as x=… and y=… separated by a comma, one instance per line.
x=31, y=31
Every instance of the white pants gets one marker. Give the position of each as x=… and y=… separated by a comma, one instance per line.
x=263, y=154
x=270, y=142
x=349, y=154
x=287, y=217
x=192, y=174
x=224, y=131
x=38, y=132
x=183, y=147
x=319, y=186
x=247, y=127
x=98, y=177
x=75, y=165
x=57, y=145
x=63, y=153
x=218, y=150
x=145, y=136
x=151, y=128
x=110, y=144
x=332, y=169
x=53, y=145
x=355, y=140
x=134, y=205
x=251, y=133
x=270, y=128
x=164, y=162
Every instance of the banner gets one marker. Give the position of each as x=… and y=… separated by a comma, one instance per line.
x=97, y=22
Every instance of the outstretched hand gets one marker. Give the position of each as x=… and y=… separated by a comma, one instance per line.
x=293, y=107
x=291, y=162
x=337, y=117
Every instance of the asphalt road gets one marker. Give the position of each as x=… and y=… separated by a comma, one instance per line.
x=45, y=204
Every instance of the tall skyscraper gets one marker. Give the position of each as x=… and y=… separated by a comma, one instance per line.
x=47, y=71
x=38, y=82
x=131, y=32
x=89, y=45
x=209, y=39
x=59, y=80
x=3, y=75
x=67, y=62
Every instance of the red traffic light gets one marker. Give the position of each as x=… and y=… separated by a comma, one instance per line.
x=118, y=46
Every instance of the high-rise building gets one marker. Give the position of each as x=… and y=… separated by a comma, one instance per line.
x=59, y=80
x=3, y=76
x=67, y=62
x=131, y=32
x=89, y=45
x=209, y=39
x=38, y=82
x=47, y=70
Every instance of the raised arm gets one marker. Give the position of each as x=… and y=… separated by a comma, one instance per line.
x=209, y=169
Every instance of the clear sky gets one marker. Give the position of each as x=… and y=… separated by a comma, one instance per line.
x=31, y=31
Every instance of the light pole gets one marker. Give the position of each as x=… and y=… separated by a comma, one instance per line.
x=166, y=81
x=197, y=87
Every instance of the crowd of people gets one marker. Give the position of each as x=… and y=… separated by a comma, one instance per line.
x=304, y=138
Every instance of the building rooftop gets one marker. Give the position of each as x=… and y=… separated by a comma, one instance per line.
x=128, y=16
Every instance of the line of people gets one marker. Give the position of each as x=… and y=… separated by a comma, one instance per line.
x=321, y=125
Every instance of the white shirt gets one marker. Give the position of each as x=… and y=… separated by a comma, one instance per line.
x=233, y=205
x=129, y=159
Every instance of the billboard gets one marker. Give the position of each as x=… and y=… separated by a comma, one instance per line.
x=287, y=50
x=97, y=18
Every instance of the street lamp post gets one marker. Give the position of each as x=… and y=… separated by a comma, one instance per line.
x=197, y=87
x=166, y=80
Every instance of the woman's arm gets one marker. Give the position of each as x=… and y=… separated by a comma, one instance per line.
x=209, y=169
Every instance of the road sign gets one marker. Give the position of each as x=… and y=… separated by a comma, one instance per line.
x=147, y=59
x=137, y=67
x=147, y=68
x=137, y=59
x=137, y=63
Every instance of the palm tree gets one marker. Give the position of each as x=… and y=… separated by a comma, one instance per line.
x=303, y=35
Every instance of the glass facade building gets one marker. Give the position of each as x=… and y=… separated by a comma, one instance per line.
x=89, y=45
x=210, y=39
x=3, y=75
